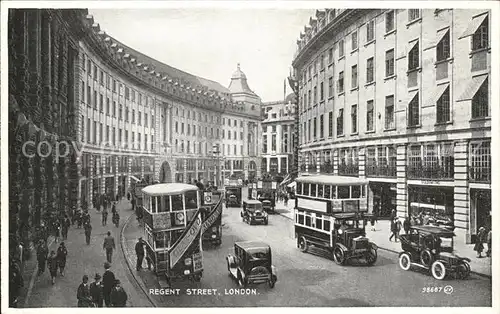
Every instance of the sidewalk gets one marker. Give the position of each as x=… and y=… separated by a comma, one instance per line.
x=480, y=266
x=82, y=260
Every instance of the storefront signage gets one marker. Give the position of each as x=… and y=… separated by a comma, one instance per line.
x=161, y=220
x=336, y=206
x=274, y=185
x=212, y=217
x=319, y=206
x=254, y=194
x=187, y=238
x=259, y=185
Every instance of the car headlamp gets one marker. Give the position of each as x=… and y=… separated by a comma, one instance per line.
x=188, y=261
x=433, y=251
x=340, y=231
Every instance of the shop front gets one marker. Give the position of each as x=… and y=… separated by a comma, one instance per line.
x=384, y=198
x=480, y=211
x=430, y=205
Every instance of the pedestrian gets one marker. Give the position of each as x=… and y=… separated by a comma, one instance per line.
x=83, y=293
x=479, y=247
x=139, y=251
x=393, y=230
x=116, y=219
x=52, y=265
x=286, y=200
x=406, y=225
x=113, y=209
x=88, y=232
x=118, y=295
x=86, y=217
x=97, y=291
x=15, y=282
x=108, y=282
x=104, y=217
x=128, y=196
x=62, y=254
x=66, y=223
x=133, y=204
x=104, y=202
x=393, y=214
x=41, y=256
x=56, y=229
x=398, y=228
x=373, y=219
x=79, y=219
x=488, y=239
x=109, y=246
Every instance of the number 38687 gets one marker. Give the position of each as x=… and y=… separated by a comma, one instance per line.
x=431, y=289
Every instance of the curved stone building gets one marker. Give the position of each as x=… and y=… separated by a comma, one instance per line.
x=402, y=98
x=142, y=118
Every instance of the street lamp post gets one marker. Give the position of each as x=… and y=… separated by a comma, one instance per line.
x=216, y=153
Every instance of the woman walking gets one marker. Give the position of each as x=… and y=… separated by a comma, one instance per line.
x=62, y=253
x=41, y=256
x=479, y=247
x=52, y=265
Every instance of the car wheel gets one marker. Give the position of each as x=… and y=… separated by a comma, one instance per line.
x=438, y=270
x=426, y=258
x=302, y=244
x=339, y=255
x=241, y=282
x=405, y=261
x=371, y=256
x=463, y=270
x=266, y=222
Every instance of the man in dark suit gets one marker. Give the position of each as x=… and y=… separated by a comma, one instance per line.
x=96, y=291
x=139, y=251
x=109, y=246
x=108, y=282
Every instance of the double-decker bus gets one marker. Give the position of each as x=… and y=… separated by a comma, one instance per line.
x=175, y=217
x=330, y=214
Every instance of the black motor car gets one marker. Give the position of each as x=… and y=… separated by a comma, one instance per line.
x=251, y=263
x=431, y=248
x=253, y=212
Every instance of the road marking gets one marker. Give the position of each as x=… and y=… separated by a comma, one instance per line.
x=32, y=281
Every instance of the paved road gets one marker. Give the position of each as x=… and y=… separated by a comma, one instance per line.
x=86, y=259
x=310, y=280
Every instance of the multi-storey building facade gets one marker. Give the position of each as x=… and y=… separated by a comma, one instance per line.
x=278, y=136
x=401, y=98
x=139, y=117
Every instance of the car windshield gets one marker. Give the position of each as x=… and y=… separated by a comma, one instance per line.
x=445, y=242
x=258, y=254
x=254, y=207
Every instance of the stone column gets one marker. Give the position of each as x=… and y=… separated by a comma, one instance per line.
x=127, y=173
x=279, y=164
x=307, y=162
x=102, y=168
x=142, y=164
x=335, y=162
x=361, y=162
x=401, y=185
x=117, y=177
x=462, y=213
x=92, y=175
x=268, y=164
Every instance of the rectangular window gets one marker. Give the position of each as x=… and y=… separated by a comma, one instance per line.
x=413, y=58
x=413, y=14
x=330, y=124
x=321, y=126
x=83, y=63
x=340, y=123
x=414, y=111
x=95, y=133
x=264, y=144
x=83, y=92
x=89, y=67
x=146, y=120
x=340, y=82
x=89, y=96
x=127, y=93
x=120, y=112
x=389, y=112
x=82, y=132
x=113, y=138
x=330, y=86
x=101, y=103
x=315, y=97
x=480, y=37
x=108, y=79
x=321, y=92
x=133, y=116
x=322, y=62
x=114, y=109
x=95, y=100
x=369, y=70
x=330, y=56
x=443, y=48
x=389, y=21
x=315, y=127
x=95, y=73
x=107, y=107
x=354, y=76
x=88, y=130
x=119, y=136
x=370, y=31
x=389, y=63
x=369, y=115
x=480, y=102
x=443, y=107
x=341, y=48
x=114, y=86
x=107, y=133
x=354, y=119
x=309, y=98
x=480, y=161
x=101, y=78
x=139, y=120
x=354, y=41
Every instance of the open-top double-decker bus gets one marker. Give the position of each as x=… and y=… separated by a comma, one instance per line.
x=331, y=214
x=175, y=217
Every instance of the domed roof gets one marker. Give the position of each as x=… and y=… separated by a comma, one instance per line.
x=238, y=74
x=290, y=98
x=239, y=83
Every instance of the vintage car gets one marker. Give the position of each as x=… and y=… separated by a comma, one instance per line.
x=253, y=212
x=350, y=241
x=251, y=264
x=267, y=206
x=431, y=248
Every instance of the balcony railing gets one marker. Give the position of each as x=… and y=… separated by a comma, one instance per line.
x=326, y=168
x=480, y=174
x=380, y=170
x=349, y=170
x=433, y=172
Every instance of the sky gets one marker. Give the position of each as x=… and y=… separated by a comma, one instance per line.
x=210, y=42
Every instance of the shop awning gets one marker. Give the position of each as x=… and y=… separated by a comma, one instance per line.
x=473, y=87
x=436, y=94
x=405, y=51
x=440, y=34
x=474, y=25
